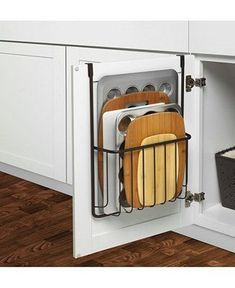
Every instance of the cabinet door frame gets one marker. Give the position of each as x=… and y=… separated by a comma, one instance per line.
x=57, y=168
x=202, y=219
x=208, y=227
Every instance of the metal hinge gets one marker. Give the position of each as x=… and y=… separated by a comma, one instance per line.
x=198, y=82
x=190, y=197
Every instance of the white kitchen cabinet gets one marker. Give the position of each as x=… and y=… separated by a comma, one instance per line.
x=169, y=36
x=212, y=37
x=33, y=108
x=206, y=220
x=208, y=114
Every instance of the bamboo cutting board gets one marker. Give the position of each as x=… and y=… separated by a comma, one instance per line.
x=152, y=176
x=121, y=102
x=138, y=130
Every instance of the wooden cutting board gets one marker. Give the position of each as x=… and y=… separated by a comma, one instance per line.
x=152, y=176
x=122, y=102
x=138, y=130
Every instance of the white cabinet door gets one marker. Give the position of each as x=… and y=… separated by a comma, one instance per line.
x=33, y=108
x=148, y=35
x=212, y=37
x=92, y=234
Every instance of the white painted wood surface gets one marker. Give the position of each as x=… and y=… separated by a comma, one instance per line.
x=165, y=36
x=212, y=37
x=32, y=110
x=90, y=234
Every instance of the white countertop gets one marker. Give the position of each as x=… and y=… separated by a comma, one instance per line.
x=169, y=36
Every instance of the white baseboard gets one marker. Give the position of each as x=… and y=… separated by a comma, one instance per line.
x=38, y=179
x=208, y=236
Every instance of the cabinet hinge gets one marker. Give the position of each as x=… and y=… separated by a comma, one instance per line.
x=190, y=197
x=198, y=82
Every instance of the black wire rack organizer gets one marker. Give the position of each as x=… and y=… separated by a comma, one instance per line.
x=101, y=203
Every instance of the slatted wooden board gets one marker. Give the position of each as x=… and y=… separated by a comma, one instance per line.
x=138, y=130
x=158, y=171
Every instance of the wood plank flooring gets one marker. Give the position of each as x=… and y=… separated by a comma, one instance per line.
x=36, y=230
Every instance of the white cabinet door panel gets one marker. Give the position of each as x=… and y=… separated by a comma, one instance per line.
x=32, y=110
x=92, y=234
x=212, y=37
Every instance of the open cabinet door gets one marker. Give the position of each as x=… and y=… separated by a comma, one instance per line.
x=213, y=107
x=92, y=234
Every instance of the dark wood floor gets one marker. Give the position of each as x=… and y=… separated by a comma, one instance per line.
x=36, y=230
